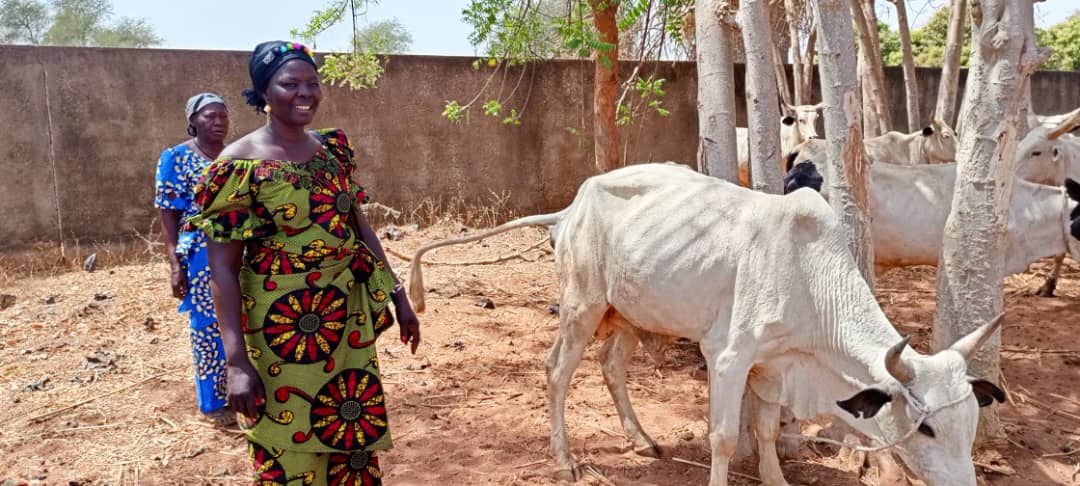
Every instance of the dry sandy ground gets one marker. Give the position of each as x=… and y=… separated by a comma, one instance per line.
x=118, y=405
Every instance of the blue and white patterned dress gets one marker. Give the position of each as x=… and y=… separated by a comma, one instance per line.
x=178, y=172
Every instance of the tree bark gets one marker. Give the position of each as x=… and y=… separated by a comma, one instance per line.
x=716, y=90
x=808, y=63
x=763, y=115
x=606, y=86
x=970, y=273
x=911, y=83
x=846, y=171
x=875, y=75
x=793, y=16
x=779, y=41
x=945, y=109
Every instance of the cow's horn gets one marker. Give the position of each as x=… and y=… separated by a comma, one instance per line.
x=967, y=345
x=896, y=365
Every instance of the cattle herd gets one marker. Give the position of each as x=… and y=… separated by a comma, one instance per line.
x=767, y=286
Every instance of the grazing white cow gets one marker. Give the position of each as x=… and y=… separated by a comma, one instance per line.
x=934, y=144
x=768, y=286
x=909, y=206
x=798, y=125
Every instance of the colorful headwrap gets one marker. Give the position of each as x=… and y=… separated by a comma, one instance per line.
x=266, y=59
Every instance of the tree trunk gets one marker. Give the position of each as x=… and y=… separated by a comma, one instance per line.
x=763, y=115
x=875, y=75
x=847, y=174
x=779, y=41
x=808, y=63
x=716, y=90
x=793, y=17
x=970, y=272
x=911, y=83
x=945, y=109
x=606, y=87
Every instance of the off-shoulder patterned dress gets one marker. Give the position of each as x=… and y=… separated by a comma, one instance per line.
x=314, y=300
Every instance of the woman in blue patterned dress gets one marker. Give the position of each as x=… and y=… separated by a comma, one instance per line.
x=178, y=172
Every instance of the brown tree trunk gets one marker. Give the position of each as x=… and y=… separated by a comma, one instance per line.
x=911, y=84
x=606, y=86
x=808, y=63
x=763, y=115
x=716, y=89
x=970, y=270
x=779, y=41
x=875, y=75
x=847, y=173
x=945, y=108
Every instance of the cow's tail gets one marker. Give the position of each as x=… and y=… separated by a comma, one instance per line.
x=416, y=278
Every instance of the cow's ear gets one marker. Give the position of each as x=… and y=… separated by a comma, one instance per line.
x=986, y=392
x=865, y=403
x=788, y=120
x=927, y=131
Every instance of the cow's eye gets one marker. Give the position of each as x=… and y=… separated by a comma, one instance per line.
x=926, y=430
x=1036, y=153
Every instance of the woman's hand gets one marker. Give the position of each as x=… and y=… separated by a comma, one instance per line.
x=407, y=320
x=178, y=281
x=246, y=392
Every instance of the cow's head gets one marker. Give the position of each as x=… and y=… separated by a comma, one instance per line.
x=939, y=142
x=937, y=389
x=798, y=124
x=805, y=174
x=1043, y=161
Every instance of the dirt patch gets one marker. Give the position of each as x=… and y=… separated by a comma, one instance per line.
x=98, y=387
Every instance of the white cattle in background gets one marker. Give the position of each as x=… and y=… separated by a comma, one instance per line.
x=909, y=206
x=767, y=285
x=798, y=125
x=934, y=144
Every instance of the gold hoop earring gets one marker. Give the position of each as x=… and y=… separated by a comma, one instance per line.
x=266, y=109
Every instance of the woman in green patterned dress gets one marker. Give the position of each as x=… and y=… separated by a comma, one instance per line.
x=300, y=284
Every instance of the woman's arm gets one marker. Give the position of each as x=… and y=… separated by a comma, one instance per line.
x=407, y=320
x=170, y=232
x=245, y=388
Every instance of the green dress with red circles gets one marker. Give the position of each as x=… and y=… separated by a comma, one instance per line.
x=314, y=300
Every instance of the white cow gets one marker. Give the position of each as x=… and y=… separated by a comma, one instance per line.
x=798, y=125
x=909, y=206
x=769, y=288
x=934, y=144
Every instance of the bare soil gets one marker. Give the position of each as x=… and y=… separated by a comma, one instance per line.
x=96, y=370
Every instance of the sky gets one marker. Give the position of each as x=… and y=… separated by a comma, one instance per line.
x=435, y=25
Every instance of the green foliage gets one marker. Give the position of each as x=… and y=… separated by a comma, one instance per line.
x=650, y=91
x=23, y=21
x=1064, y=38
x=362, y=67
x=128, y=32
x=76, y=21
x=927, y=42
x=384, y=36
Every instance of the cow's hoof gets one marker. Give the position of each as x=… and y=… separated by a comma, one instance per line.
x=569, y=475
x=1048, y=288
x=651, y=450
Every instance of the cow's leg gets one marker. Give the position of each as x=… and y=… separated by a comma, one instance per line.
x=615, y=354
x=767, y=426
x=577, y=324
x=728, y=368
x=1048, y=287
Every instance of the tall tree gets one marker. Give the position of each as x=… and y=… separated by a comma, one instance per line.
x=970, y=273
x=846, y=171
x=763, y=114
x=873, y=81
x=23, y=21
x=714, y=29
x=945, y=109
x=384, y=36
x=911, y=84
x=1064, y=38
x=606, y=85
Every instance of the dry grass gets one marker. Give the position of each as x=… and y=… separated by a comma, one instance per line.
x=472, y=212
